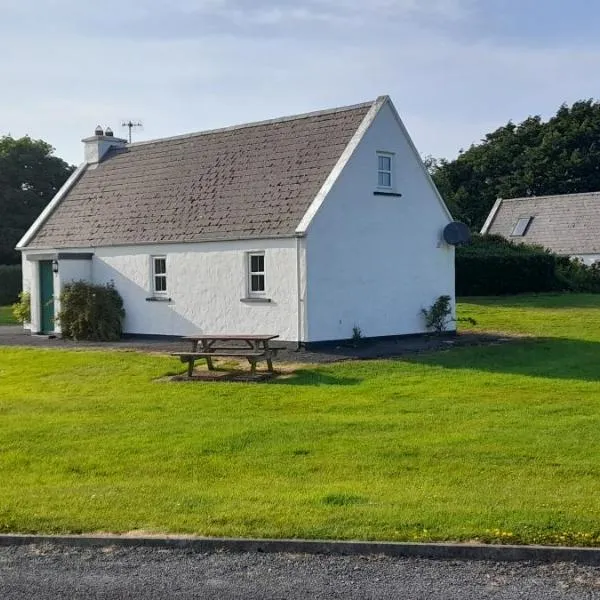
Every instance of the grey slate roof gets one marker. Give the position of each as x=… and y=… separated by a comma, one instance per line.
x=249, y=181
x=567, y=224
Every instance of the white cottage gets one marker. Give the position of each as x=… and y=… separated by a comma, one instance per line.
x=567, y=224
x=304, y=226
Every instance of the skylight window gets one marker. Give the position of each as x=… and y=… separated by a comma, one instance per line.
x=521, y=227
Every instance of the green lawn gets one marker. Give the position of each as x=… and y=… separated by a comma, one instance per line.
x=6, y=317
x=496, y=443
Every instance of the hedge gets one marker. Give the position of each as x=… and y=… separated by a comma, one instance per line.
x=497, y=274
x=11, y=281
x=491, y=265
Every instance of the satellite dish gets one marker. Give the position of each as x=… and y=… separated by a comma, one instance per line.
x=456, y=233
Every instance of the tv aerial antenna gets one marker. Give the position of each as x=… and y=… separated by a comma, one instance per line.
x=131, y=125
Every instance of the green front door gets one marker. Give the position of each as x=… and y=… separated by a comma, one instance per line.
x=46, y=297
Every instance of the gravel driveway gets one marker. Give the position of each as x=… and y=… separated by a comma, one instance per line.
x=390, y=348
x=47, y=571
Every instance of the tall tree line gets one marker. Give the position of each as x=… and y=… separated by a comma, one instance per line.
x=30, y=175
x=531, y=158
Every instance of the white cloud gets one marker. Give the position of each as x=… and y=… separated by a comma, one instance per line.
x=178, y=74
x=346, y=12
x=447, y=8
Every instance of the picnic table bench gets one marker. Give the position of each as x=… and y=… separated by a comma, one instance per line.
x=254, y=348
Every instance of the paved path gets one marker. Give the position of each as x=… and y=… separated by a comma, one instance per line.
x=48, y=572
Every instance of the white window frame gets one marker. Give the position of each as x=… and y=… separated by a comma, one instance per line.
x=249, y=273
x=390, y=172
x=154, y=275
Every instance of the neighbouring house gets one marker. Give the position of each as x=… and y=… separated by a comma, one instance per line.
x=303, y=226
x=568, y=225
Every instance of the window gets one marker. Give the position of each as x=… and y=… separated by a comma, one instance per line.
x=159, y=274
x=256, y=273
x=384, y=170
x=521, y=227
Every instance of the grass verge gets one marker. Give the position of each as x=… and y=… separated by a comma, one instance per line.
x=6, y=317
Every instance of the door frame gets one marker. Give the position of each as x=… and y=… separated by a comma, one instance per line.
x=46, y=296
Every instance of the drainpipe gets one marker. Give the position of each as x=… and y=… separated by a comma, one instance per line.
x=299, y=291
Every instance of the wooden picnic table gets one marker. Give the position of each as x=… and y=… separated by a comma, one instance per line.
x=253, y=347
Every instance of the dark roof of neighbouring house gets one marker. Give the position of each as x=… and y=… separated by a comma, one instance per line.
x=249, y=181
x=568, y=224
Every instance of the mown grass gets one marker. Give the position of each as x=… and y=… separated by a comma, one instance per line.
x=567, y=316
x=496, y=443
x=6, y=317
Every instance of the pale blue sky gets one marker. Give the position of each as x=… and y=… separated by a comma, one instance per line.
x=455, y=69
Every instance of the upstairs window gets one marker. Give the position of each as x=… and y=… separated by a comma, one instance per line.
x=521, y=227
x=256, y=273
x=159, y=274
x=384, y=170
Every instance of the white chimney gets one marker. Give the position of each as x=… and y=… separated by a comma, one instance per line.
x=99, y=144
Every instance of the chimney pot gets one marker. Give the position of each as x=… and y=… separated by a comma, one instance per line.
x=99, y=144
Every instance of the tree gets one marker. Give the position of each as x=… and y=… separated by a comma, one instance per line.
x=29, y=177
x=532, y=158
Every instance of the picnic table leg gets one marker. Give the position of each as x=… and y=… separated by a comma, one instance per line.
x=206, y=348
x=265, y=347
x=252, y=365
x=190, y=368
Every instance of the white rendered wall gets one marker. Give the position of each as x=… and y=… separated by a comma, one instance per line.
x=30, y=284
x=68, y=270
x=588, y=259
x=206, y=283
x=376, y=261
x=73, y=270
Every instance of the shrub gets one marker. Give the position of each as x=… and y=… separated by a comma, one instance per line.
x=10, y=283
x=575, y=276
x=496, y=244
x=91, y=312
x=357, y=335
x=438, y=315
x=21, y=310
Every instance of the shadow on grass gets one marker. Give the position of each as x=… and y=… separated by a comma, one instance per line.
x=301, y=377
x=550, y=300
x=310, y=377
x=550, y=358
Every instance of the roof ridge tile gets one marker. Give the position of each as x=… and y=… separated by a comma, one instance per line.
x=275, y=121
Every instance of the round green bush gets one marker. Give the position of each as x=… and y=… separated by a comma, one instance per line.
x=91, y=312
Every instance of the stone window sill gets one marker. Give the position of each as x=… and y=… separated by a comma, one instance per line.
x=393, y=194
x=256, y=300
